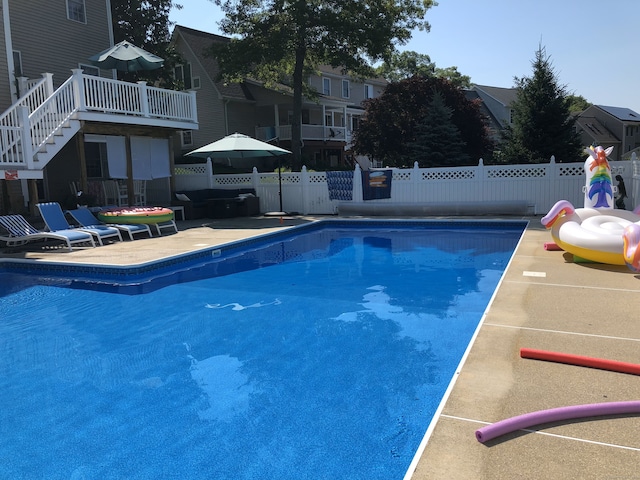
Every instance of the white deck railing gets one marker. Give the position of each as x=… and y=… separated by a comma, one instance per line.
x=41, y=112
x=536, y=186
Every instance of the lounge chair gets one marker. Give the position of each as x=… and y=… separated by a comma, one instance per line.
x=21, y=232
x=55, y=220
x=171, y=224
x=86, y=219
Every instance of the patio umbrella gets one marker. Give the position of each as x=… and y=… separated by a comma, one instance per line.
x=238, y=145
x=126, y=57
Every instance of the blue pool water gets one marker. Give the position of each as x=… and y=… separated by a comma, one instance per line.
x=320, y=355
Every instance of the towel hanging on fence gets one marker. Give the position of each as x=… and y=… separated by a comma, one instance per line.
x=376, y=184
x=340, y=185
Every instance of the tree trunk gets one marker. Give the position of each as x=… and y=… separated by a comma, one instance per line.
x=296, y=125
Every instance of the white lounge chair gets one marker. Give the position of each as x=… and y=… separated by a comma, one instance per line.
x=20, y=231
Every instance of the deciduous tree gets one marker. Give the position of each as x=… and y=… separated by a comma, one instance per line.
x=282, y=42
x=145, y=23
x=395, y=121
x=406, y=64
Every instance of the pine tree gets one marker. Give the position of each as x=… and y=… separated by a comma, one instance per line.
x=542, y=123
x=437, y=141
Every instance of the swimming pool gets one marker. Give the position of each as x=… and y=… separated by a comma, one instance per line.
x=320, y=354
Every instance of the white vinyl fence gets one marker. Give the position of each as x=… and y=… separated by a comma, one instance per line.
x=494, y=189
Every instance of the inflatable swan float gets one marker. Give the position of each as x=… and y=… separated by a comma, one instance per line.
x=597, y=232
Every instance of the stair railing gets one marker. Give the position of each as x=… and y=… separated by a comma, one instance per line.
x=46, y=120
x=12, y=121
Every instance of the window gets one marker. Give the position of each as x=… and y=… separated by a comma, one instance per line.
x=90, y=70
x=17, y=63
x=345, y=88
x=326, y=86
x=186, y=138
x=328, y=120
x=182, y=73
x=368, y=91
x=195, y=81
x=96, y=158
x=76, y=11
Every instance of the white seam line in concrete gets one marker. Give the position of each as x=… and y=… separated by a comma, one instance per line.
x=588, y=287
x=564, y=332
x=623, y=447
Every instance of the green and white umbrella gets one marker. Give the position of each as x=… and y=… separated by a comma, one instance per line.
x=126, y=57
x=238, y=145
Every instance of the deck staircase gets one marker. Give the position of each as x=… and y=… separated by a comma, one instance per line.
x=44, y=120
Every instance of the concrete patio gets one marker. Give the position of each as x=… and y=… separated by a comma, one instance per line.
x=544, y=302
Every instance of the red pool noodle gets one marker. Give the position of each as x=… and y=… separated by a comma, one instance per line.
x=551, y=246
x=512, y=424
x=579, y=360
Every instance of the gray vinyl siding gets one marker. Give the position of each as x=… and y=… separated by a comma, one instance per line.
x=49, y=42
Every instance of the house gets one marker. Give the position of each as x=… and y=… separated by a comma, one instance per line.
x=598, y=124
x=66, y=120
x=328, y=121
x=497, y=101
x=611, y=126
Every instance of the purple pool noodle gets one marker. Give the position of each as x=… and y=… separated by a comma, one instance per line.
x=497, y=429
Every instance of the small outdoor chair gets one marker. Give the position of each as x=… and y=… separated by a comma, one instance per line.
x=21, y=232
x=55, y=220
x=86, y=219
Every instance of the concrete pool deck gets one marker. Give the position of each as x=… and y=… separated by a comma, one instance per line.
x=544, y=302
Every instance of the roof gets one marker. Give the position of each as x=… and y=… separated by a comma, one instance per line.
x=596, y=130
x=506, y=96
x=624, y=114
x=199, y=42
x=493, y=122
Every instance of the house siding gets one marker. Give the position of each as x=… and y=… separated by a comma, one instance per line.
x=617, y=128
x=49, y=42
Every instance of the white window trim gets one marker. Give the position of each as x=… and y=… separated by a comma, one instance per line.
x=84, y=12
x=326, y=79
x=195, y=83
x=182, y=141
x=368, y=88
x=348, y=84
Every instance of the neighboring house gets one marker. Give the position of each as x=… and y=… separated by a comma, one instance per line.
x=67, y=121
x=610, y=126
x=498, y=102
x=598, y=124
x=494, y=127
x=328, y=121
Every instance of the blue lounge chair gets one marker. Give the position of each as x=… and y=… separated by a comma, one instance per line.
x=55, y=220
x=86, y=219
x=21, y=232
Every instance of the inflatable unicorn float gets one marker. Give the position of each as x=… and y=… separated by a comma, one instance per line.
x=597, y=232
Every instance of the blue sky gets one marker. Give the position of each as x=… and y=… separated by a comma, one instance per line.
x=592, y=45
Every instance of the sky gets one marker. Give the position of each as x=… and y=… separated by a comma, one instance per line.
x=592, y=45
